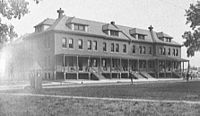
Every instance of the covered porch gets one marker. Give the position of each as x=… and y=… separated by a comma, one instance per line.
x=107, y=67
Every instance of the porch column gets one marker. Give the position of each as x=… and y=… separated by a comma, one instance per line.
x=147, y=65
x=188, y=66
x=100, y=65
x=64, y=67
x=111, y=68
x=77, y=68
x=89, y=73
x=128, y=68
x=165, y=68
x=138, y=65
x=172, y=65
x=120, y=63
x=158, y=75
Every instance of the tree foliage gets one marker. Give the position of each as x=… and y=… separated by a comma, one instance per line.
x=192, y=38
x=11, y=9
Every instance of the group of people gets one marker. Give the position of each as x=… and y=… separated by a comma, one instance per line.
x=188, y=76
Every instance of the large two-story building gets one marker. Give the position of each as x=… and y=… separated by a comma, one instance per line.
x=74, y=48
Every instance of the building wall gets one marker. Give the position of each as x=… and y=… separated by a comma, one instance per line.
x=60, y=50
x=158, y=46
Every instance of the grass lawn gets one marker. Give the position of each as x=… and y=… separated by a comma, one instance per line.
x=51, y=106
x=166, y=91
x=48, y=106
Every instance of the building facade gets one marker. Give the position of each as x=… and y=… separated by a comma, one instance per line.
x=74, y=48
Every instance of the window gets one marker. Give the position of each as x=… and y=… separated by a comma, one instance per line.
x=168, y=39
x=80, y=44
x=104, y=63
x=124, y=48
x=112, y=47
x=79, y=27
x=94, y=63
x=140, y=36
x=140, y=49
x=144, y=50
x=117, y=47
x=160, y=51
x=104, y=46
x=95, y=45
x=169, y=51
x=89, y=43
x=150, y=50
x=114, y=33
x=164, y=51
x=71, y=44
x=64, y=42
x=133, y=49
x=176, y=52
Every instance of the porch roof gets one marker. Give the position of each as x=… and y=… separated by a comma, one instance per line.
x=133, y=57
x=170, y=58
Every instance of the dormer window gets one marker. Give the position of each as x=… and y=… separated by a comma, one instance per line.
x=114, y=33
x=141, y=37
x=164, y=37
x=80, y=27
x=168, y=39
x=138, y=33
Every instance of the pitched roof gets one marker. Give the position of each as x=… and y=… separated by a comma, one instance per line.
x=95, y=28
x=110, y=27
x=161, y=34
x=47, y=21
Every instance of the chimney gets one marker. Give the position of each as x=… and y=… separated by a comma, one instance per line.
x=112, y=22
x=150, y=28
x=60, y=13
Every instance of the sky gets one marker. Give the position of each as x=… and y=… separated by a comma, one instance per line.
x=163, y=15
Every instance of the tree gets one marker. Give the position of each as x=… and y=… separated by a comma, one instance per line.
x=192, y=38
x=10, y=9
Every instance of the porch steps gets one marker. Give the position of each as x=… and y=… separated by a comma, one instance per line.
x=98, y=75
x=145, y=74
x=137, y=75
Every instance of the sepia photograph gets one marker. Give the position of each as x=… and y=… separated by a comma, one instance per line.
x=99, y=58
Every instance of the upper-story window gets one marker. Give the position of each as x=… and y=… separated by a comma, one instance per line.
x=80, y=44
x=169, y=51
x=160, y=50
x=141, y=37
x=144, y=50
x=114, y=33
x=150, y=50
x=176, y=52
x=80, y=27
x=112, y=47
x=164, y=51
x=140, y=49
x=89, y=43
x=124, y=48
x=71, y=43
x=104, y=46
x=95, y=45
x=64, y=42
x=133, y=49
x=117, y=47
